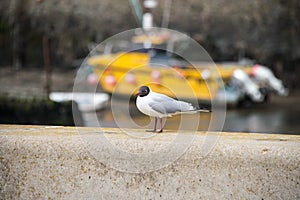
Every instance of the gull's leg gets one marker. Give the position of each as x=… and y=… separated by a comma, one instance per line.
x=161, y=125
x=155, y=122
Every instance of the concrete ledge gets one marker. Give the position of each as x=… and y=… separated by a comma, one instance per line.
x=38, y=162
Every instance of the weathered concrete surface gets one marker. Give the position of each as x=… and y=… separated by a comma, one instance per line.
x=39, y=162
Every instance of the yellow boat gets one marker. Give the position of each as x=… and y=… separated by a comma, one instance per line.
x=123, y=72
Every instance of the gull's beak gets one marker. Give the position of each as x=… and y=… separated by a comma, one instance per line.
x=137, y=94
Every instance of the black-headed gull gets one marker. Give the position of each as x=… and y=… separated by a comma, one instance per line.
x=159, y=106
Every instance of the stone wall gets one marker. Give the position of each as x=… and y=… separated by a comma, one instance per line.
x=38, y=162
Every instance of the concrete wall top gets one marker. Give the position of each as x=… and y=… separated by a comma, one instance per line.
x=50, y=162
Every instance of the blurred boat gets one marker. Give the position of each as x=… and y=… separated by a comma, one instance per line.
x=86, y=101
x=122, y=72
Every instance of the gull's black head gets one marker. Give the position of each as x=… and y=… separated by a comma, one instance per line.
x=143, y=91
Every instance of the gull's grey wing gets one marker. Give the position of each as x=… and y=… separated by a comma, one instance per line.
x=165, y=105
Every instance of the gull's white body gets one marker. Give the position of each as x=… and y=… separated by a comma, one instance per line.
x=159, y=105
x=142, y=104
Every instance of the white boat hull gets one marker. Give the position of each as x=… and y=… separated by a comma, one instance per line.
x=86, y=101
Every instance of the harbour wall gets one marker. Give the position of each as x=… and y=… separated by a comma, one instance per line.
x=54, y=162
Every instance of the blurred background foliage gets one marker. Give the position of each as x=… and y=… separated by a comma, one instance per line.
x=264, y=30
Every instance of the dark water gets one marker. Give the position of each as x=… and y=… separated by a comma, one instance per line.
x=279, y=115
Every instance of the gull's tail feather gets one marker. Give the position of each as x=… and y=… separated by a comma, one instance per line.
x=188, y=108
x=203, y=109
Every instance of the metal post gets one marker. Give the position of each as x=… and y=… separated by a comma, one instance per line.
x=47, y=65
